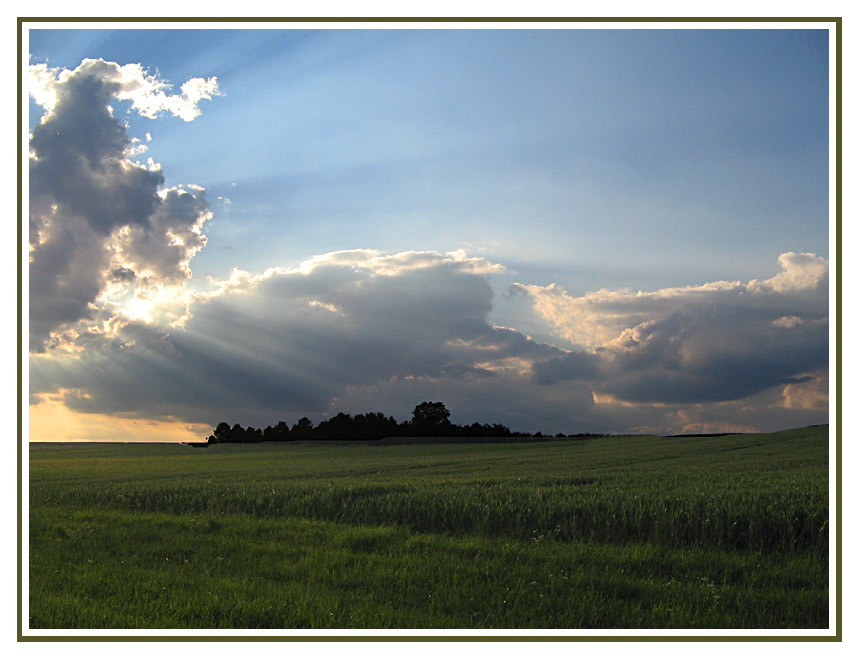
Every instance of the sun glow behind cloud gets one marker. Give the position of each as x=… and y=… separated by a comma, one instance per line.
x=101, y=223
x=52, y=421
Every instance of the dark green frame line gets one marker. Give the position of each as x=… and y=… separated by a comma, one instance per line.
x=837, y=637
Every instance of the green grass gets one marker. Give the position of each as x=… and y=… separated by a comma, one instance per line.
x=639, y=532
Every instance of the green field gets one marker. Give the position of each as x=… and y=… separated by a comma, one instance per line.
x=622, y=532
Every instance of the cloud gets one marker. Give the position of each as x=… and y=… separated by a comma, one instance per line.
x=719, y=341
x=150, y=96
x=810, y=393
x=800, y=272
x=361, y=330
x=290, y=341
x=117, y=331
x=97, y=218
x=576, y=365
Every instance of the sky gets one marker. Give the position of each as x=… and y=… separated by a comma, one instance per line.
x=565, y=230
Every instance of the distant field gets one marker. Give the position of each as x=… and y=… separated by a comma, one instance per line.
x=637, y=532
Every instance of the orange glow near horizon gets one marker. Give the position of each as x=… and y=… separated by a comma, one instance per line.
x=52, y=421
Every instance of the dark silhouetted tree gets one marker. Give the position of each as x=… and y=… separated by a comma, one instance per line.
x=374, y=426
x=237, y=433
x=431, y=418
x=221, y=433
x=253, y=435
x=302, y=429
x=278, y=433
x=339, y=427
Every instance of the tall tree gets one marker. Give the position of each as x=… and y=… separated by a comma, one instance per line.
x=431, y=417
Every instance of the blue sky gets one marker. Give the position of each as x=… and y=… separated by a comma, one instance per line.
x=618, y=160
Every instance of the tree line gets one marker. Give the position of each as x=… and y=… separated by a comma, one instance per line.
x=429, y=419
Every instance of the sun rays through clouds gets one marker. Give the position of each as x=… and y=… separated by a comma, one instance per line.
x=129, y=336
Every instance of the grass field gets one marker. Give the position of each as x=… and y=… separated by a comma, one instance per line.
x=634, y=532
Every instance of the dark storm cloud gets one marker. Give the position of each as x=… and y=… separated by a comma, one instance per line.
x=287, y=343
x=576, y=365
x=728, y=357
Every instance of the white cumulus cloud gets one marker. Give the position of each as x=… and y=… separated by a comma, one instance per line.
x=719, y=341
x=101, y=226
